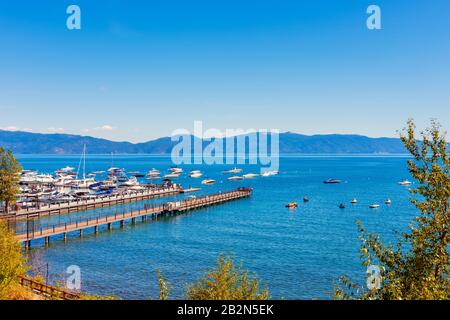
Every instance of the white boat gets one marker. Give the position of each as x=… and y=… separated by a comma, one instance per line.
x=65, y=170
x=208, y=181
x=195, y=174
x=36, y=179
x=153, y=173
x=388, y=201
x=132, y=182
x=176, y=170
x=172, y=176
x=235, y=178
x=250, y=175
x=108, y=184
x=234, y=170
x=269, y=173
x=354, y=201
x=405, y=183
x=374, y=206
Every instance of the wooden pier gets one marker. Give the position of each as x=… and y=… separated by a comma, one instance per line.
x=83, y=205
x=169, y=208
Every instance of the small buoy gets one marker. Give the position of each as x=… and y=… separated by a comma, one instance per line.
x=305, y=199
x=388, y=201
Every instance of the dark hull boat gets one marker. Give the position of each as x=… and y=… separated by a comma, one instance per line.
x=332, y=181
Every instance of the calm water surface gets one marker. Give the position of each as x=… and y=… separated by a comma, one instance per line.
x=298, y=254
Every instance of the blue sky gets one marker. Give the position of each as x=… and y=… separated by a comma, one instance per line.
x=138, y=70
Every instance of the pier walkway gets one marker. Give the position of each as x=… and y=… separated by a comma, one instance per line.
x=153, y=211
x=86, y=204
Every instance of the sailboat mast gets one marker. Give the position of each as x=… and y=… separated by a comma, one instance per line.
x=84, y=162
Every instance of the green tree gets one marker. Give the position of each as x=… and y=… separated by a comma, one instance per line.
x=417, y=267
x=9, y=178
x=12, y=263
x=227, y=282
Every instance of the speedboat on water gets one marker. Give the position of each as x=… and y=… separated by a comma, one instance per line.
x=133, y=181
x=269, y=173
x=234, y=170
x=195, y=174
x=153, y=173
x=208, y=181
x=292, y=205
x=374, y=206
x=332, y=181
x=65, y=170
x=405, y=183
x=137, y=174
x=250, y=175
x=172, y=175
x=388, y=201
x=235, y=178
x=354, y=201
x=176, y=170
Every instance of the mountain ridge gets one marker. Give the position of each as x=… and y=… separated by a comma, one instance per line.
x=21, y=142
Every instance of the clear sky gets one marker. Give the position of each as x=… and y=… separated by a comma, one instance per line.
x=137, y=70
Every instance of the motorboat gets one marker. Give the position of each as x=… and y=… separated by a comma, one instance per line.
x=332, y=181
x=235, y=178
x=234, y=170
x=269, y=173
x=405, y=183
x=250, y=175
x=176, y=170
x=137, y=174
x=153, y=173
x=374, y=206
x=172, y=175
x=388, y=201
x=342, y=206
x=292, y=205
x=129, y=183
x=354, y=201
x=305, y=199
x=65, y=170
x=208, y=181
x=36, y=179
x=195, y=174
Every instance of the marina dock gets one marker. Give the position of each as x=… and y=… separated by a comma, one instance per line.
x=166, y=209
x=86, y=204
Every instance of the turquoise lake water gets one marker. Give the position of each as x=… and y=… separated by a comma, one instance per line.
x=297, y=254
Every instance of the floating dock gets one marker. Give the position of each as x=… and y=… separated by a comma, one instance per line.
x=166, y=209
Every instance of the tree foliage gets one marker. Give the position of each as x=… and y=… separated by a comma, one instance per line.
x=227, y=282
x=12, y=263
x=417, y=267
x=9, y=177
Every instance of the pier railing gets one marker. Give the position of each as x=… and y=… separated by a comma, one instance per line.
x=154, y=210
x=82, y=204
x=46, y=290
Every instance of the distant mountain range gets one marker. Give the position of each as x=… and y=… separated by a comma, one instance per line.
x=38, y=143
